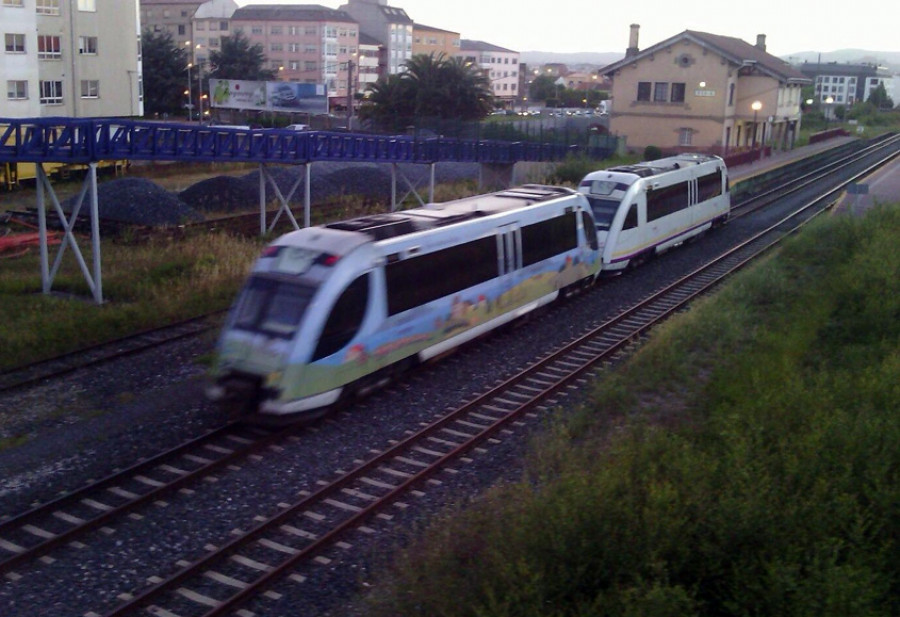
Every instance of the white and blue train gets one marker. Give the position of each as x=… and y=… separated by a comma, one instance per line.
x=644, y=209
x=333, y=310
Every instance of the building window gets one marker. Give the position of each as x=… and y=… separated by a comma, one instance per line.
x=16, y=90
x=213, y=41
x=685, y=136
x=275, y=30
x=47, y=7
x=51, y=93
x=643, y=93
x=731, y=95
x=311, y=31
x=200, y=25
x=87, y=5
x=660, y=92
x=256, y=30
x=16, y=3
x=276, y=47
x=678, y=92
x=181, y=30
x=309, y=65
x=15, y=43
x=87, y=45
x=49, y=47
x=223, y=26
x=90, y=89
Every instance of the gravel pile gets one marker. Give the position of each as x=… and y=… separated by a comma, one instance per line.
x=137, y=201
x=221, y=194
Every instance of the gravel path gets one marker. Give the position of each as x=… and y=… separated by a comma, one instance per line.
x=106, y=417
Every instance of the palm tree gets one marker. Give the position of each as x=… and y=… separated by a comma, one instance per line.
x=435, y=87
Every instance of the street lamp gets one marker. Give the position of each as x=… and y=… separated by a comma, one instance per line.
x=828, y=110
x=755, y=106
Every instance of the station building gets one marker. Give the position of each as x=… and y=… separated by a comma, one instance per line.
x=704, y=92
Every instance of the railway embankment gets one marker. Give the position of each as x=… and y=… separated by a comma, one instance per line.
x=744, y=461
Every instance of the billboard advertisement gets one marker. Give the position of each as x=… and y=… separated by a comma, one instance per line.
x=269, y=96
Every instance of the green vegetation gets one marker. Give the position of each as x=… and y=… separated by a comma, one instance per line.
x=144, y=286
x=743, y=463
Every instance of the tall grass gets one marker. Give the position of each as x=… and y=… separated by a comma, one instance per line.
x=744, y=463
x=144, y=285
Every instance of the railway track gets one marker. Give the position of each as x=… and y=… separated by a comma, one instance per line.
x=289, y=542
x=107, y=351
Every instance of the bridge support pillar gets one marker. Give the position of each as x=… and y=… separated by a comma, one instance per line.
x=88, y=189
x=495, y=176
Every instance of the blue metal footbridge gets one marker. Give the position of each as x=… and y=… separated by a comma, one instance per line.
x=90, y=141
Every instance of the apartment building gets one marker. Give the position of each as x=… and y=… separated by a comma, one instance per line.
x=77, y=58
x=500, y=65
x=388, y=25
x=172, y=16
x=701, y=91
x=304, y=43
x=844, y=84
x=429, y=40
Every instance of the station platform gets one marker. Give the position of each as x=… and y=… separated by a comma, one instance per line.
x=747, y=170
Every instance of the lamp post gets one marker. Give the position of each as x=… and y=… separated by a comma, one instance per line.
x=828, y=110
x=755, y=106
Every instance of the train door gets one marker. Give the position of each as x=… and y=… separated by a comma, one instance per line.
x=627, y=237
x=509, y=256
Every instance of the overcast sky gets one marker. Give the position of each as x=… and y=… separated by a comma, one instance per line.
x=790, y=26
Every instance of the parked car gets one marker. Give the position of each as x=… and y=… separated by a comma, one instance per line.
x=297, y=127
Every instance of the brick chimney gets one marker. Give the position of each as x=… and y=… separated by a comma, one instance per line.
x=761, y=41
x=633, y=41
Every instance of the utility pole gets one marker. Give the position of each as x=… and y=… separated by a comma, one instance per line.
x=350, y=93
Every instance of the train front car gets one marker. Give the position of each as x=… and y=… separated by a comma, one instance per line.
x=644, y=209
x=335, y=310
x=276, y=327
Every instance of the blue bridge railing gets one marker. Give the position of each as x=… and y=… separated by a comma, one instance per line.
x=71, y=140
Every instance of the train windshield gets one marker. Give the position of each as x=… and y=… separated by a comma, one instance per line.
x=604, y=211
x=272, y=306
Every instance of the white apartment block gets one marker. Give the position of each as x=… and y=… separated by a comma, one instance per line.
x=75, y=58
x=500, y=65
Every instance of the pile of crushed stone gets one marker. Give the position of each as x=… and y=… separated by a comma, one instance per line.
x=139, y=202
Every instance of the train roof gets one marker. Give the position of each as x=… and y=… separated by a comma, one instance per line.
x=390, y=225
x=661, y=166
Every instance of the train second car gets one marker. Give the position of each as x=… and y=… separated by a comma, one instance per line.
x=328, y=311
x=646, y=208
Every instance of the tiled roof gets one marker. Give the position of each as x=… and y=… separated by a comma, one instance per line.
x=470, y=45
x=733, y=49
x=290, y=12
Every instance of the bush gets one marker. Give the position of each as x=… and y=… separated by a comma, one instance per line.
x=651, y=153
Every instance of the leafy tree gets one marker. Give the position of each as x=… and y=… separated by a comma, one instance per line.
x=164, y=73
x=542, y=88
x=434, y=87
x=239, y=60
x=880, y=99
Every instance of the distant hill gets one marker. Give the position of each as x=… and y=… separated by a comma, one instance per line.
x=889, y=59
x=572, y=60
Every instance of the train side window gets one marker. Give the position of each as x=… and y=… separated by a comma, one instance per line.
x=667, y=200
x=590, y=230
x=419, y=280
x=631, y=219
x=710, y=185
x=345, y=318
x=549, y=238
